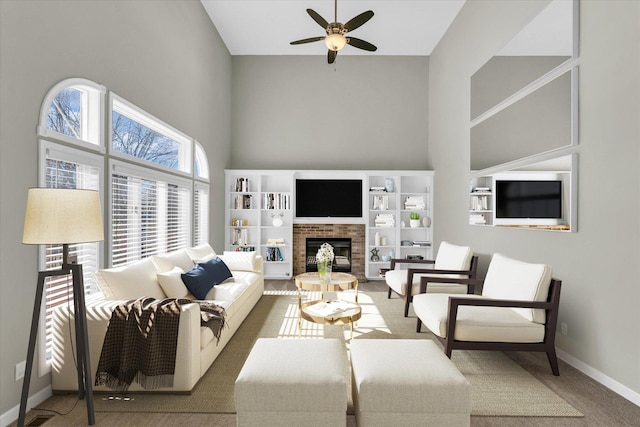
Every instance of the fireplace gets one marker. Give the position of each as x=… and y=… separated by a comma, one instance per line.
x=341, y=252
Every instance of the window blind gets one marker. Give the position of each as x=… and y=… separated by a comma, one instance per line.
x=64, y=172
x=150, y=214
x=201, y=214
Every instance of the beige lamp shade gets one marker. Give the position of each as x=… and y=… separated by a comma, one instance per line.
x=60, y=215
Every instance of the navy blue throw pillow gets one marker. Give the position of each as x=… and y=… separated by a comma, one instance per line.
x=199, y=281
x=217, y=269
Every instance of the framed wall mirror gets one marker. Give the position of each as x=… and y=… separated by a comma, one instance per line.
x=524, y=100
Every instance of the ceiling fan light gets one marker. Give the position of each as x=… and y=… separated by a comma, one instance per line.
x=335, y=42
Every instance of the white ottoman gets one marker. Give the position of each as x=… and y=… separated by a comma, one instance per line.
x=407, y=383
x=298, y=382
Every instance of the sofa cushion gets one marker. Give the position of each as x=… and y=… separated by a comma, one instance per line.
x=201, y=253
x=516, y=280
x=178, y=258
x=229, y=290
x=131, y=281
x=488, y=324
x=172, y=284
x=241, y=261
x=218, y=270
x=198, y=281
x=204, y=276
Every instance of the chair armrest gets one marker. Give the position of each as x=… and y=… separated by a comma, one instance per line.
x=395, y=261
x=491, y=302
x=470, y=282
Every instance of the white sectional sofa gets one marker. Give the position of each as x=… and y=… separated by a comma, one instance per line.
x=159, y=277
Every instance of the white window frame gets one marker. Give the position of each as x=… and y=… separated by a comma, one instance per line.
x=133, y=112
x=94, y=149
x=48, y=149
x=120, y=167
x=93, y=96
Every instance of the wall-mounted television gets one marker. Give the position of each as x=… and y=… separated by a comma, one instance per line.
x=322, y=198
x=528, y=199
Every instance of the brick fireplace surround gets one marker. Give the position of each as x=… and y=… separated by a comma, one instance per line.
x=356, y=232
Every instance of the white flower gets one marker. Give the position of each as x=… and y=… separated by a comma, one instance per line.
x=325, y=253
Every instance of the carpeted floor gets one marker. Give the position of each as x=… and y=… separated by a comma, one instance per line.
x=500, y=386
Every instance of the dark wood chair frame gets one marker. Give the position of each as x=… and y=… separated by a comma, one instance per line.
x=550, y=307
x=471, y=273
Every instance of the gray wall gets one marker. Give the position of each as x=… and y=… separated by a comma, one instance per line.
x=165, y=57
x=599, y=264
x=298, y=112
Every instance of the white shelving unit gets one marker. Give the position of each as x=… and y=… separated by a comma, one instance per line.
x=412, y=192
x=250, y=224
x=481, y=201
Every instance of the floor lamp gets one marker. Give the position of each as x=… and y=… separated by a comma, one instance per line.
x=62, y=216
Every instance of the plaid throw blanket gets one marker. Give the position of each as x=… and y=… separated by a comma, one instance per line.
x=141, y=341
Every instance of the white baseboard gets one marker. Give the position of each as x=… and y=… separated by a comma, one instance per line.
x=12, y=414
x=610, y=383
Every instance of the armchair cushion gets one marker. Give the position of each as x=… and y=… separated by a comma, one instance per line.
x=487, y=324
x=516, y=280
x=397, y=280
x=452, y=257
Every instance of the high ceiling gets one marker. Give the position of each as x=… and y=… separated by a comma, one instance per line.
x=399, y=27
x=264, y=27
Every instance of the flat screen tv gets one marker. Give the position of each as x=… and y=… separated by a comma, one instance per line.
x=336, y=198
x=529, y=199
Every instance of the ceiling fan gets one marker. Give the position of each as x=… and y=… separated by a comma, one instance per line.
x=335, y=38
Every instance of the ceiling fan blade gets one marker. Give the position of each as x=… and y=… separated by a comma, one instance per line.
x=361, y=44
x=309, y=40
x=358, y=20
x=331, y=56
x=319, y=19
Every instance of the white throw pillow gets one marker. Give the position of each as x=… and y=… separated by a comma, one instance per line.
x=201, y=252
x=166, y=262
x=239, y=261
x=133, y=281
x=172, y=283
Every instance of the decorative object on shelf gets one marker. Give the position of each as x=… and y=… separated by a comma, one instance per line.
x=376, y=239
x=403, y=224
x=324, y=259
x=384, y=220
x=58, y=216
x=388, y=185
x=414, y=203
x=392, y=253
x=426, y=222
x=414, y=219
x=386, y=258
x=406, y=243
x=374, y=255
x=277, y=219
x=380, y=203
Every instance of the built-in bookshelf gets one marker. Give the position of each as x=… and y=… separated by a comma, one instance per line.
x=259, y=217
x=393, y=196
x=481, y=201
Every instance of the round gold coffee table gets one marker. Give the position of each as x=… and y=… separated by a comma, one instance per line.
x=324, y=311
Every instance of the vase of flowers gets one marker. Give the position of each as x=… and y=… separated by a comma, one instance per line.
x=324, y=259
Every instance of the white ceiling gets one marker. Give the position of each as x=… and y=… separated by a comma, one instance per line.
x=265, y=27
x=399, y=27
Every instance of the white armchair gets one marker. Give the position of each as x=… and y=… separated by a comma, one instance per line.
x=451, y=261
x=517, y=311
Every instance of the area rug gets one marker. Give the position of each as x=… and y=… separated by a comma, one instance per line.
x=500, y=386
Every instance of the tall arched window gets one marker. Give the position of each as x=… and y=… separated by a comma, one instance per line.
x=154, y=189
